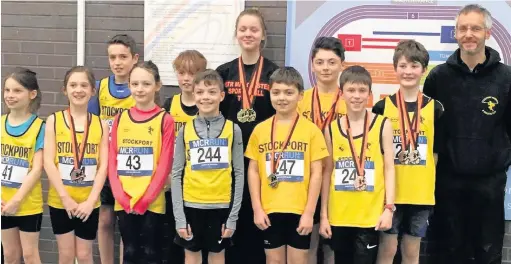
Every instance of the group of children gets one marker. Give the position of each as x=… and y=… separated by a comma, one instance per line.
x=242, y=159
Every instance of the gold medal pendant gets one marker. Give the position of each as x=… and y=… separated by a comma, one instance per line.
x=273, y=181
x=242, y=116
x=247, y=115
x=251, y=115
x=360, y=183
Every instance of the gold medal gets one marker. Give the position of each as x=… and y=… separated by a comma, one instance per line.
x=247, y=113
x=242, y=115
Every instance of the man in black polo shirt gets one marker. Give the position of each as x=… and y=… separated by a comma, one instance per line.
x=474, y=146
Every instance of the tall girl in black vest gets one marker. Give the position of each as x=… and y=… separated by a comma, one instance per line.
x=247, y=103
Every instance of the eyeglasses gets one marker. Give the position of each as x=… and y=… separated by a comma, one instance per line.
x=474, y=29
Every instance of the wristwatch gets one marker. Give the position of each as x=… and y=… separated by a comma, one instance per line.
x=390, y=207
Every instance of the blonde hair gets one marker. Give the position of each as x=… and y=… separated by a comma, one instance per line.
x=253, y=12
x=191, y=61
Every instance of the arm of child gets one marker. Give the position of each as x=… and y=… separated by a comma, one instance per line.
x=115, y=183
x=261, y=220
x=239, y=177
x=177, y=181
x=385, y=221
x=328, y=166
x=51, y=169
x=318, y=152
x=162, y=169
x=33, y=176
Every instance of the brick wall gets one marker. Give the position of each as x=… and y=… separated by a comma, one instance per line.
x=41, y=36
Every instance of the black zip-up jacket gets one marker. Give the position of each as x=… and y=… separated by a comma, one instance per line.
x=474, y=135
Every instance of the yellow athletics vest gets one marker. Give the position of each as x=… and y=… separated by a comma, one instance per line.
x=326, y=100
x=80, y=189
x=138, y=152
x=109, y=105
x=17, y=155
x=415, y=184
x=346, y=206
x=180, y=117
x=307, y=144
x=207, y=177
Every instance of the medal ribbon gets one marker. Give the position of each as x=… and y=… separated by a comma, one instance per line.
x=359, y=160
x=316, y=109
x=275, y=163
x=78, y=151
x=247, y=94
x=412, y=133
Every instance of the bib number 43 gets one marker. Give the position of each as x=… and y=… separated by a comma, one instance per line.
x=133, y=162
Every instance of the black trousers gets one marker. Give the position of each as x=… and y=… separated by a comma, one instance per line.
x=469, y=218
x=142, y=237
x=247, y=239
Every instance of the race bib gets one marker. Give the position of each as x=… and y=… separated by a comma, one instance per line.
x=209, y=154
x=13, y=171
x=291, y=167
x=346, y=173
x=422, y=151
x=135, y=161
x=89, y=167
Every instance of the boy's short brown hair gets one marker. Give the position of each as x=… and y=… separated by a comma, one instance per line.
x=413, y=51
x=288, y=76
x=125, y=40
x=190, y=61
x=355, y=74
x=209, y=77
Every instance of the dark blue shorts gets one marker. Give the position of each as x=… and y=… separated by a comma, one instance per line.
x=411, y=219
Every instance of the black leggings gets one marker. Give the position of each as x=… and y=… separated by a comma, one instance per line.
x=142, y=237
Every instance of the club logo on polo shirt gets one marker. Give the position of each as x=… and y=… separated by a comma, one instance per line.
x=490, y=104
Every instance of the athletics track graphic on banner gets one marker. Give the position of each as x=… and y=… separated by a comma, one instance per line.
x=370, y=31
